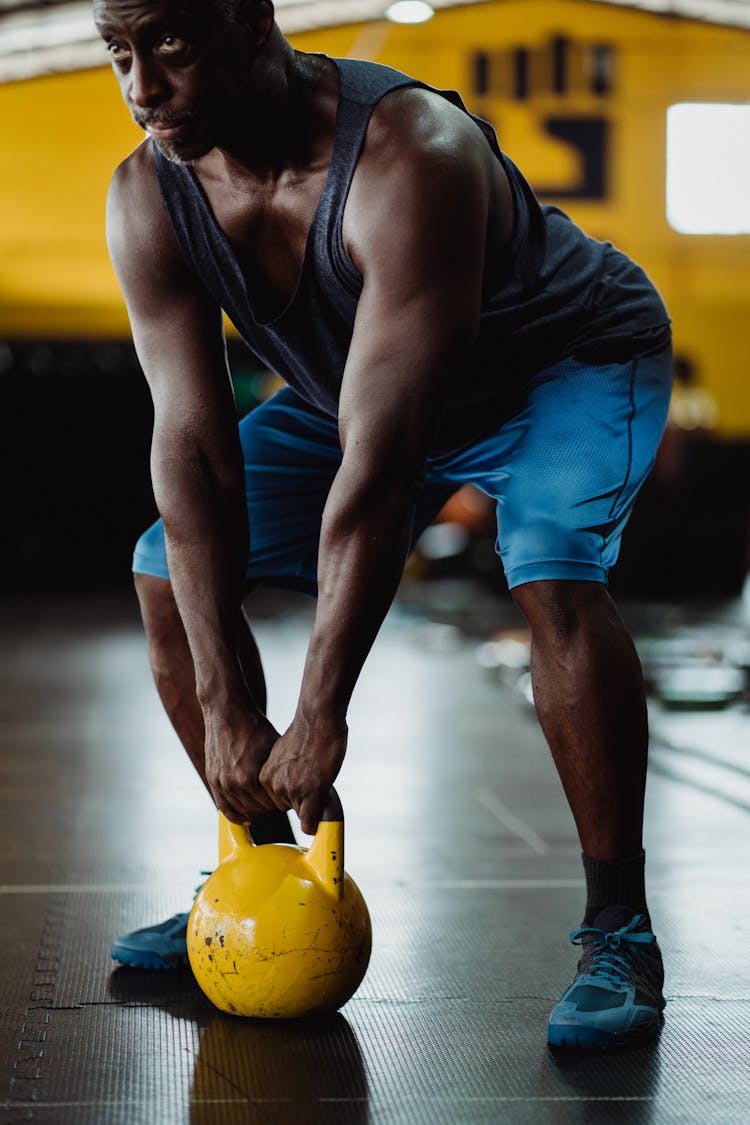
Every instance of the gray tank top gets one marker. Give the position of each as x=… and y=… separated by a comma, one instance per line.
x=562, y=293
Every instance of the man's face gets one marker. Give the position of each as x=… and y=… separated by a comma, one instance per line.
x=182, y=67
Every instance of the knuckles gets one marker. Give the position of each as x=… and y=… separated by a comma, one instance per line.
x=284, y=780
x=236, y=783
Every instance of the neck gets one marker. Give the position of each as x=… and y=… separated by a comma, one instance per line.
x=286, y=119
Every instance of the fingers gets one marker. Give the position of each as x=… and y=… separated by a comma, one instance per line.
x=226, y=810
x=278, y=795
x=278, y=787
x=235, y=749
x=241, y=809
x=240, y=805
x=307, y=800
x=310, y=812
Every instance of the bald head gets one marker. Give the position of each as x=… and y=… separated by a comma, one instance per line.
x=236, y=11
x=232, y=9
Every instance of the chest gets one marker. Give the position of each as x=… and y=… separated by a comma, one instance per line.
x=268, y=227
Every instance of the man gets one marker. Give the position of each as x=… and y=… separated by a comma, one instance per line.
x=435, y=326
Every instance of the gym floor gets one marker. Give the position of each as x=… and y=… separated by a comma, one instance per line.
x=457, y=834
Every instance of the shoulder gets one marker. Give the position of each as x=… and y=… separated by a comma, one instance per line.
x=421, y=191
x=424, y=161
x=134, y=182
x=139, y=233
x=424, y=126
x=418, y=148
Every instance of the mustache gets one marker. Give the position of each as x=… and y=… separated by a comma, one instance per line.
x=165, y=118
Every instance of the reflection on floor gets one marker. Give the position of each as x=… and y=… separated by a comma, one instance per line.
x=457, y=835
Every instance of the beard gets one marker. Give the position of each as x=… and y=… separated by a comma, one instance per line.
x=188, y=145
x=180, y=151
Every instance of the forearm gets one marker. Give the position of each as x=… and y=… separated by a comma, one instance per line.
x=365, y=540
x=201, y=500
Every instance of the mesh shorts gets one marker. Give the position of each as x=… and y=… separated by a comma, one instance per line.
x=565, y=472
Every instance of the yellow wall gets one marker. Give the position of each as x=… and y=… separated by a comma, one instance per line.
x=63, y=135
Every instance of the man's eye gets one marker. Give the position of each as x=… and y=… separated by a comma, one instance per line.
x=117, y=51
x=172, y=45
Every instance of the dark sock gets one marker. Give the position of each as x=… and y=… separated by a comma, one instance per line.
x=614, y=882
x=272, y=828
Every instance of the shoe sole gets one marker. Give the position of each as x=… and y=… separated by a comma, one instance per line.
x=594, y=1039
x=151, y=961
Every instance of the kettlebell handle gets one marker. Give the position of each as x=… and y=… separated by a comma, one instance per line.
x=332, y=809
x=325, y=855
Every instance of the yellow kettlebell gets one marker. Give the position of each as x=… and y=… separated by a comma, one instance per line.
x=280, y=931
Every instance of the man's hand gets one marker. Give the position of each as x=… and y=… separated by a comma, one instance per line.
x=238, y=742
x=303, y=766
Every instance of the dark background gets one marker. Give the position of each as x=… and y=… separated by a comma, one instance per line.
x=75, y=449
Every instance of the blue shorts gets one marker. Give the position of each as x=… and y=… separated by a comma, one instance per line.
x=565, y=472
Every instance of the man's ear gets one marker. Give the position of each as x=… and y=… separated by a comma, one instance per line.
x=257, y=16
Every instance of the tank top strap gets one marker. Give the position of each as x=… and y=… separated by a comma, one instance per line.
x=362, y=85
x=204, y=245
x=366, y=82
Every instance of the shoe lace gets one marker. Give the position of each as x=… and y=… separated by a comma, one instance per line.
x=609, y=953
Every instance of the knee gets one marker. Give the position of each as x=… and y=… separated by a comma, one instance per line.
x=161, y=617
x=557, y=610
x=155, y=595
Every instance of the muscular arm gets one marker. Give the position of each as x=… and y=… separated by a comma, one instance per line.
x=418, y=216
x=196, y=460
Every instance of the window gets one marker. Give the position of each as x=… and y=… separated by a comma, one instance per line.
x=708, y=168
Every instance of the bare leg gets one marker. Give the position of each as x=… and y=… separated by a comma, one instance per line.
x=172, y=667
x=590, y=700
x=589, y=696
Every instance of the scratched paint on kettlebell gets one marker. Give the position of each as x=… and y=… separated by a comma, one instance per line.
x=267, y=957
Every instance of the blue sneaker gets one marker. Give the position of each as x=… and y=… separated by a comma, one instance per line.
x=616, y=997
x=161, y=946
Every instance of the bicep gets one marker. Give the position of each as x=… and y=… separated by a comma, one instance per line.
x=420, y=249
x=177, y=326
